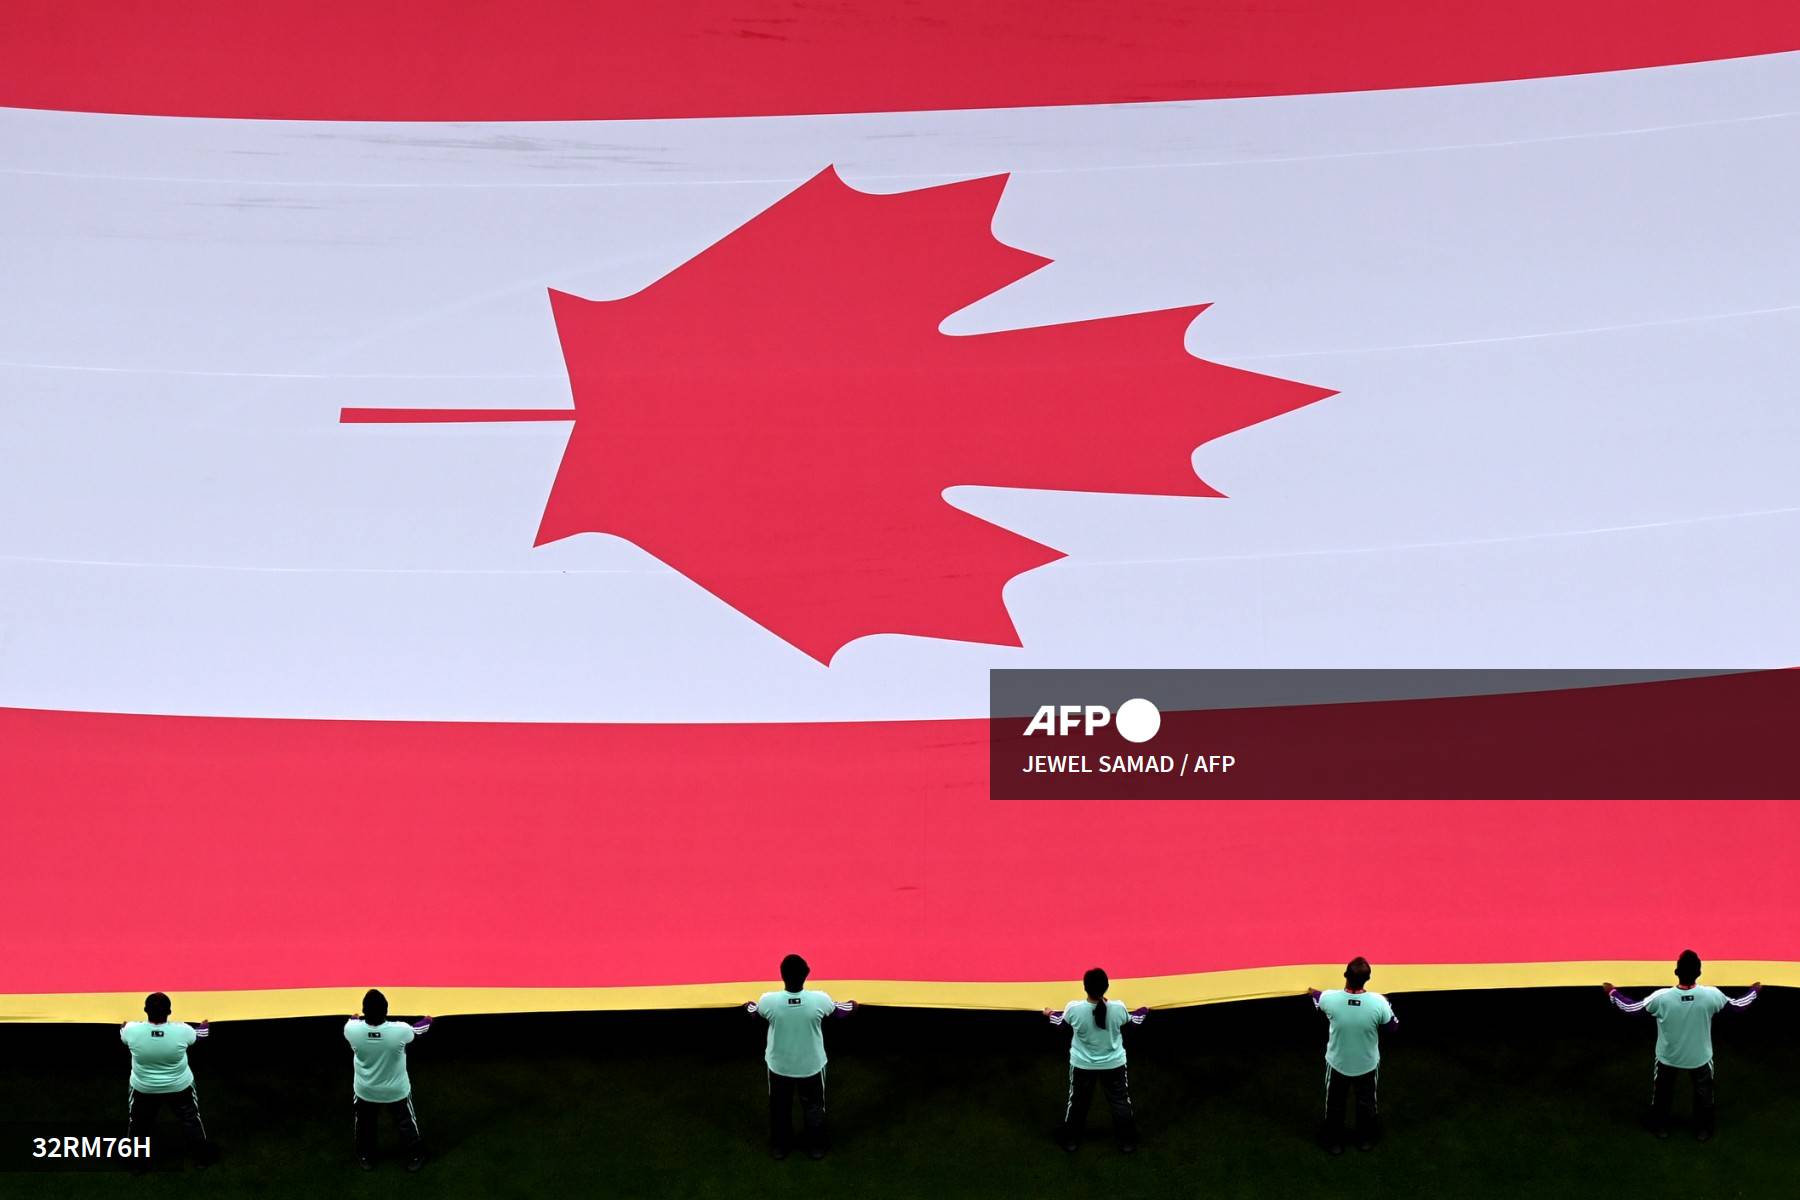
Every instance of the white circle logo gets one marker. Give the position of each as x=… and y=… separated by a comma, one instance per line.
x=1138, y=720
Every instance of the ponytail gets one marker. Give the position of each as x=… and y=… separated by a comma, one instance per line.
x=1096, y=983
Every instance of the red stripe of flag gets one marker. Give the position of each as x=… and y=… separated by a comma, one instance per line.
x=430, y=60
x=194, y=852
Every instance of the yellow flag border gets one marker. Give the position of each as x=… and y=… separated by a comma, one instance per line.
x=1159, y=991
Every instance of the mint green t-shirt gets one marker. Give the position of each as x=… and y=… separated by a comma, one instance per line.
x=1093, y=1048
x=796, y=1045
x=1684, y=1024
x=159, y=1061
x=1353, y=1047
x=379, y=1056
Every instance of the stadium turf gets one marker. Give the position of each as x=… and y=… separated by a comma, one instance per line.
x=1495, y=1093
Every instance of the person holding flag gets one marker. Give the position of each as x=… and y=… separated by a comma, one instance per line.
x=795, y=1055
x=1684, y=1016
x=1353, y=1053
x=160, y=1074
x=1097, y=1059
x=379, y=1080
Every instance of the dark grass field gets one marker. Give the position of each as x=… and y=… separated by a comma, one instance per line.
x=1509, y=1093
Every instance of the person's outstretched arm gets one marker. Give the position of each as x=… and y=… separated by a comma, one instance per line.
x=1748, y=998
x=1622, y=1002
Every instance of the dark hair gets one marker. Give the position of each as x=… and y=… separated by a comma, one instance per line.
x=156, y=1006
x=374, y=1006
x=1356, y=973
x=794, y=972
x=1687, y=967
x=1096, y=982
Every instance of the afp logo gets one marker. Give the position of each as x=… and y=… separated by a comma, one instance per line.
x=1137, y=719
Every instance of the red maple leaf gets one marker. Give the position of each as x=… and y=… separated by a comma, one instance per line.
x=779, y=417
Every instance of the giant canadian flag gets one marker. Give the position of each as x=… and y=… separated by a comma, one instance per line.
x=518, y=504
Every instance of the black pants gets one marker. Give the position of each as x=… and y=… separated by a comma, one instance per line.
x=811, y=1090
x=1117, y=1086
x=1662, y=1096
x=1368, y=1121
x=140, y=1117
x=368, y=1116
